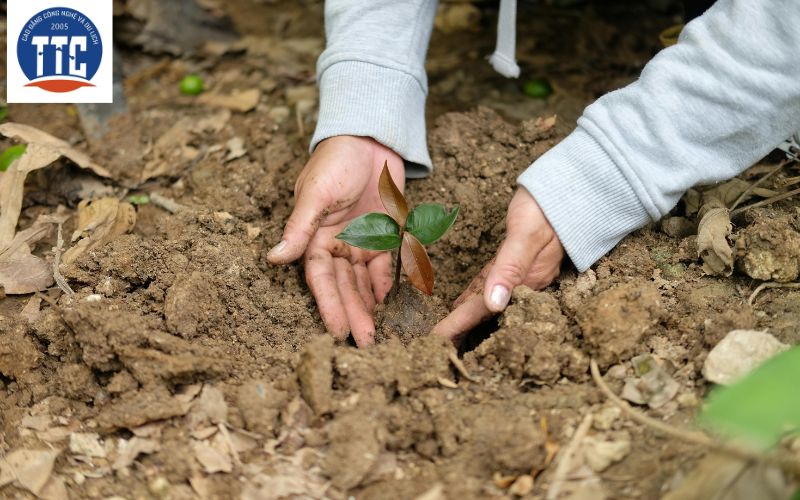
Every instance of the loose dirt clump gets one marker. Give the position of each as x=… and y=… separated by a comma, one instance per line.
x=769, y=250
x=615, y=322
x=407, y=314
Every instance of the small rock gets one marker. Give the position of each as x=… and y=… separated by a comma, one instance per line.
x=315, y=373
x=601, y=454
x=738, y=353
x=159, y=487
x=279, y=114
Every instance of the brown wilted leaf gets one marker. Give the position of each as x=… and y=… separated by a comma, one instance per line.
x=417, y=264
x=12, y=183
x=393, y=200
x=172, y=150
x=211, y=459
x=32, y=135
x=712, y=238
x=28, y=469
x=242, y=102
x=99, y=222
x=129, y=450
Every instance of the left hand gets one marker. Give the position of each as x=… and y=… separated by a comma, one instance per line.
x=530, y=255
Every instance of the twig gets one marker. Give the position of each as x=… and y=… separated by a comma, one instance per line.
x=227, y=437
x=460, y=367
x=300, y=126
x=768, y=201
x=769, y=284
x=167, y=204
x=566, y=460
x=60, y=281
x=781, y=460
x=757, y=183
x=791, y=181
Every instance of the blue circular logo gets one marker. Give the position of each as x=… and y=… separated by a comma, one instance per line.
x=59, y=50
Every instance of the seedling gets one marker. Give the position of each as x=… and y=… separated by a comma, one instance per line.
x=408, y=230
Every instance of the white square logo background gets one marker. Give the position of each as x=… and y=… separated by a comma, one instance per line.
x=100, y=14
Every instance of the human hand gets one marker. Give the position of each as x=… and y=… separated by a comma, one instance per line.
x=530, y=255
x=339, y=183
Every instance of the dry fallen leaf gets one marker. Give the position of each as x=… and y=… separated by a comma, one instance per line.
x=242, y=101
x=29, y=469
x=172, y=150
x=99, y=222
x=54, y=489
x=211, y=459
x=712, y=238
x=31, y=311
x=236, y=149
x=127, y=451
x=20, y=271
x=86, y=444
x=32, y=135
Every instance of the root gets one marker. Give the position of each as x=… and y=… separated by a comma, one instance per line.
x=777, y=459
x=60, y=281
x=758, y=183
x=567, y=459
x=459, y=365
x=769, y=284
x=766, y=202
x=167, y=204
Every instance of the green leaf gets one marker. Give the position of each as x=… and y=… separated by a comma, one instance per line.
x=764, y=406
x=3, y=113
x=9, y=155
x=373, y=231
x=430, y=221
x=796, y=495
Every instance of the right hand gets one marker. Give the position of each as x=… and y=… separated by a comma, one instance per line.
x=338, y=184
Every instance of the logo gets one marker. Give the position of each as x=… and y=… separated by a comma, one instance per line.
x=61, y=54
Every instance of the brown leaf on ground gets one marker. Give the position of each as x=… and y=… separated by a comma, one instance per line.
x=12, y=184
x=712, y=238
x=99, y=222
x=211, y=459
x=242, y=101
x=28, y=469
x=417, y=264
x=172, y=150
x=132, y=448
x=32, y=135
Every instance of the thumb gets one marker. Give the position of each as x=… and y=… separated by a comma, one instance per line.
x=299, y=229
x=514, y=260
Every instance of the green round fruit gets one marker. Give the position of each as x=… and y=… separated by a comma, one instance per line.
x=538, y=88
x=9, y=155
x=191, y=85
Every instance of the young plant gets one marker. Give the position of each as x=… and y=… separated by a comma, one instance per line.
x=411, y=231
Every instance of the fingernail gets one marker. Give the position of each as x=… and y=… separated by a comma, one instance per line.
x=278, y=249
x=499, y=297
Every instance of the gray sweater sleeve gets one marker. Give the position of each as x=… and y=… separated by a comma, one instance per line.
x=701, y=112
x=372, y=75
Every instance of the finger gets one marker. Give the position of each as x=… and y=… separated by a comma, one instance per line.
x=364, y=285
x=362, y=325
x=299, y=229
x=547, y=266
x=514, y=259
x=471, y=313
x=475, y=286
x=380, y=274
x=321, y=279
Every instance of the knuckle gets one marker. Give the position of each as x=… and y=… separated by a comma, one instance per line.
x=512, y=271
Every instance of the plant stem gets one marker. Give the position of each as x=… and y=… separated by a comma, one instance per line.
x=399, y=266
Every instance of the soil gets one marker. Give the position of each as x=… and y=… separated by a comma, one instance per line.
x=182, y=338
